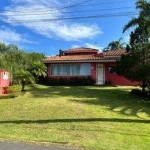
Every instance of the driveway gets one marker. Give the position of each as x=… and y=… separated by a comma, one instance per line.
x=24, y=146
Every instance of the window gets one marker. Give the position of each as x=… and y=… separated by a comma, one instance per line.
x=112, y=69
x=71, y=69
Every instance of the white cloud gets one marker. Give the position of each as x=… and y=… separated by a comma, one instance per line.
x=25, y=11
x=77, y=31
x=47, y=2
x=9, y=36
x=75, y=46
x=94, y=46
x=88, y=45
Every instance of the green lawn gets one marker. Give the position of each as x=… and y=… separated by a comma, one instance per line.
x=91, y=118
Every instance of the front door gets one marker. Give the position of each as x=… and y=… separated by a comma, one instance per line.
x=100, y=74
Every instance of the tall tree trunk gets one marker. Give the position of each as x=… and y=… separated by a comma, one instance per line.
x=23, y=85
x=144, y=61
x=144, y=85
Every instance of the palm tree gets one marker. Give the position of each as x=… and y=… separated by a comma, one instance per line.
x=114, y=45
x=38, y=69
x=24, y=77
x=144, y=16
x=139, y=38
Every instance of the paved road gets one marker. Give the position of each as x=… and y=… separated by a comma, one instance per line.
x=23, y=146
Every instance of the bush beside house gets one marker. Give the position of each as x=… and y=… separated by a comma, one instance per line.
x=65, y=81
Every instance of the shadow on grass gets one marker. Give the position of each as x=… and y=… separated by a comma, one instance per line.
x=115, y=99
x=113, y=120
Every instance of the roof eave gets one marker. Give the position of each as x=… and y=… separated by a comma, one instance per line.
x=80, y=61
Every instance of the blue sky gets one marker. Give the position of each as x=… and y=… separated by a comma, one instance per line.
x=40, y=25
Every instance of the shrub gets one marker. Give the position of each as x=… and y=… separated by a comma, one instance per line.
x=42, y=80
x=14, y=88
x=108, y=82
x=140, y=93
x=68, y=81
x=8, y=96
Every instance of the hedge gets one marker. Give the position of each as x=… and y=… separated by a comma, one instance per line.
x=69, y=81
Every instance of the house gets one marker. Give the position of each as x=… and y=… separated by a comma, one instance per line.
x=87, y=62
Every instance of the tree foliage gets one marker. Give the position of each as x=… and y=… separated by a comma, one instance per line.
x=114, y=45
x=25, y=67
x=2, y=48
x=23, y=77
x=135, y=64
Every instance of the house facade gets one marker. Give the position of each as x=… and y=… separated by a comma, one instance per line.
x=87, y=62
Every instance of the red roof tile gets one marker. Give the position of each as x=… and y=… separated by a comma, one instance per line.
x=80, y=49
x=109, y=55
x=114, y=52
x=73, y=57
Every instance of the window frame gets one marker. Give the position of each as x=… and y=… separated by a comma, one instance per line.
x=113, y=67
x=79, y=67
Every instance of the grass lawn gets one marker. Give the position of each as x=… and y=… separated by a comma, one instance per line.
x=90, y=118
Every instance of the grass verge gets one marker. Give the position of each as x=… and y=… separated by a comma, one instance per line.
x=91, y=118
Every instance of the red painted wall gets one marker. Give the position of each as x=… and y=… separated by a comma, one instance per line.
x=49, y=70
x=115, y=79
x=93, y=71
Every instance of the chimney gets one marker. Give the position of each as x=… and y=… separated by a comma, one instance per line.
x=60, y=53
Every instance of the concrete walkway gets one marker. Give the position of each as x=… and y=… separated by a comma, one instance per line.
x=24, y=146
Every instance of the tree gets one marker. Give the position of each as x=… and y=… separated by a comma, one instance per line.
x=143, y=18
x=36, y=65
x=13, y=58
x=24, y=77
x=135, y=63
x=23, y=66
x=38, y=69
x=3, y=48
x=114, y=45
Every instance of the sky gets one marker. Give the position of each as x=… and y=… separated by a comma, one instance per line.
x=46, y=26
